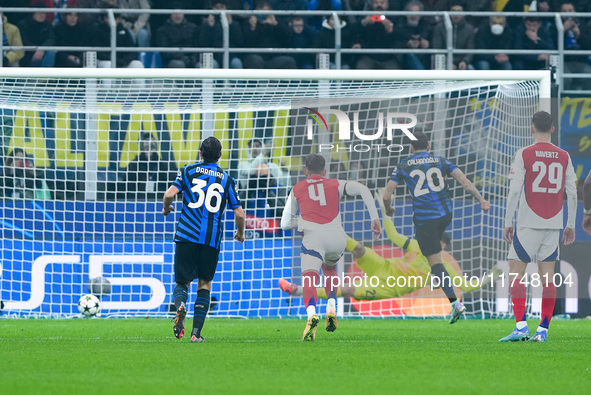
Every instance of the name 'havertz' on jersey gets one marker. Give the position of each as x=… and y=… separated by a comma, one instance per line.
x=424, y=175
x=206, y=189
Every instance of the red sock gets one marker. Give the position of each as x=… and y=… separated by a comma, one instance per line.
x=518, y=299
x=330, y=272
x=310, y=280
x=548, y=301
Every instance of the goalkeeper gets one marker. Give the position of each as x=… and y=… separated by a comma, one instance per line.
x=413, y=267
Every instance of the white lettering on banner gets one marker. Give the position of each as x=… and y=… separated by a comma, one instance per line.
x=257, y=223
x=96, y=262
x=38, y=281
x=95, y=269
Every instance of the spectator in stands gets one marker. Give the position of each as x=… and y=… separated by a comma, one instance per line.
x=577, y=36
x=70, y=33
x=416, y=33
x=302, y=36
x=463, y=37
x=548, y=25
x=435, y=6
x=177, y=32
x=212, y=36
x=528, y=35
x=581, y=5
x=148, y=175
x=377, y=31
x=16, y=17
x=286, y=5
x=494, y=34
x=89, y=19
x=159, y=20
x=473, y=6
x=36, y=30
x=513, y=6
x=290, y=5
x=21, y=179
x=356, y=5
x=137, y=24
x=280, y=172
x=101, y=37
x=57, y=17
x=322, y=5
x=265, y=31
x=11, y=37
x=238, y=5
x=326, y=39
x=259, y=181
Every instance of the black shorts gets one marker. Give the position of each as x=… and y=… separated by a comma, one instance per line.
x=429, y=234
x=193, y=261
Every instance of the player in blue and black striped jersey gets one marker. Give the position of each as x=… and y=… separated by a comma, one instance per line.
x=424, y=175
x=206, y=189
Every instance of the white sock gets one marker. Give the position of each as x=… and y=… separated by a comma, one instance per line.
x=521, y=325
x=331, y=304
x=311, y=311
x=540, y=329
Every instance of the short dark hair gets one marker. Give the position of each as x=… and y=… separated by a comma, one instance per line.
x=146, y=136
x=18, y=151
x=454, y=3
x=315, y=163
x=542, y=121
x=211, y=149
x=422, y=141
x=251, y=142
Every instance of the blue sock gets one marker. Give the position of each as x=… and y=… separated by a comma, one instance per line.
x=545, y=324
x=201, y=309
x=180, y=295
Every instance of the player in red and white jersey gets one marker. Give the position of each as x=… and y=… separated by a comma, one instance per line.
x=324, y=239
x=540, y=176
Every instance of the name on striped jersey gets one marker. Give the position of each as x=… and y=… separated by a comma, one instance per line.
x=421, y=161
x=210, y=172
x=546, y=154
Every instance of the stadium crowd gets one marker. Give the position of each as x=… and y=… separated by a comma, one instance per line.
x=262, y=30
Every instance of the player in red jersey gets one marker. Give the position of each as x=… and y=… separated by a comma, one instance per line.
x=540, y=175
x=324, y=239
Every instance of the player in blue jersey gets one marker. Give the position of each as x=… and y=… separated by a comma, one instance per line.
x=424, y=175
x=207, y=189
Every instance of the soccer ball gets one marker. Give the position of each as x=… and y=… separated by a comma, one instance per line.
x=89, y=305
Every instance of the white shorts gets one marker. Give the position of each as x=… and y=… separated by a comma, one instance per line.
x=320, y=246
x=537, y=245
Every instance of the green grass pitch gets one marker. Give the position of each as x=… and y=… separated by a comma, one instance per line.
x=128, y=356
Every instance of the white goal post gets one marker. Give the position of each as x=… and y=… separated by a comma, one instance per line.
x=87, y=152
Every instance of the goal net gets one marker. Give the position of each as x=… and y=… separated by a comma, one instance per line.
x=87, y=155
